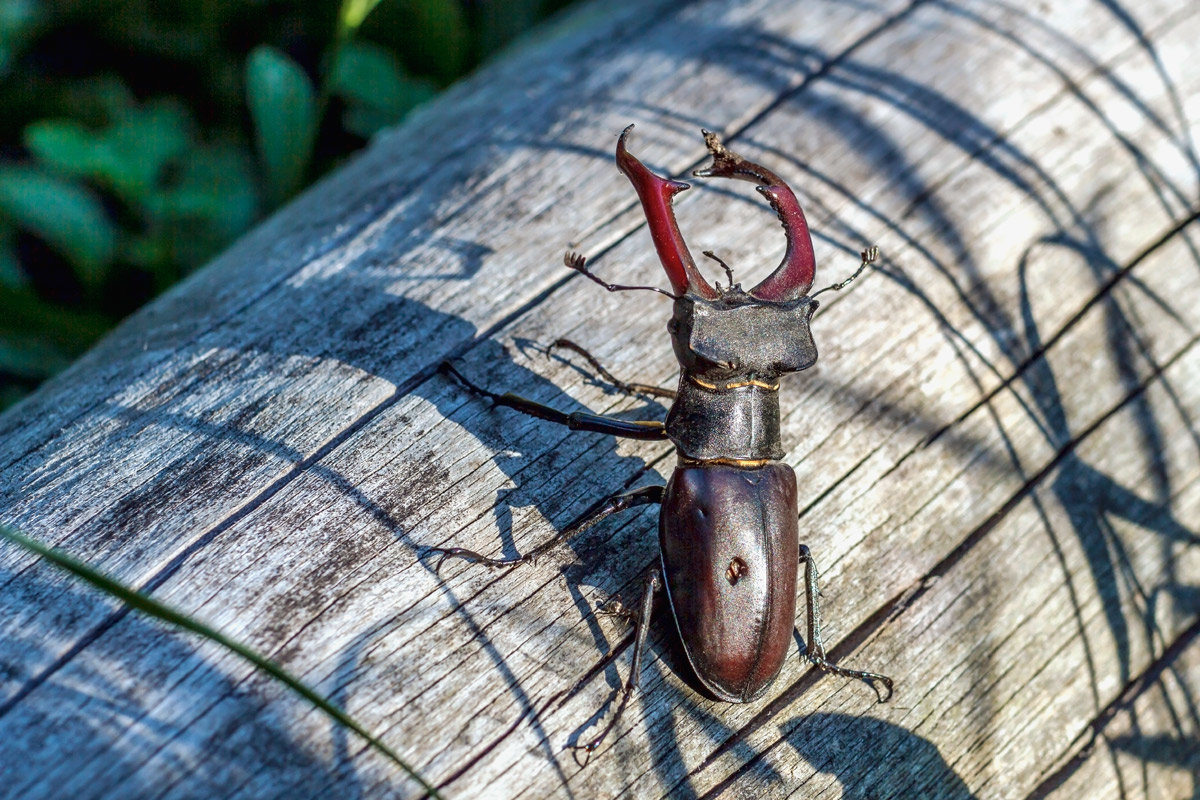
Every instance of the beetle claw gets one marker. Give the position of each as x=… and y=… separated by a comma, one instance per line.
x=818, y=659
x=575, y=260
x=613, y=607
x=445, y=553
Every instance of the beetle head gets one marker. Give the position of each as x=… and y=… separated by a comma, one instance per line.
x=737, y=335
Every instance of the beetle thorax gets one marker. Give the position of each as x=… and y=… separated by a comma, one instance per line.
x=731, y=352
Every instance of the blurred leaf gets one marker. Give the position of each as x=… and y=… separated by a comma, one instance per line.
x=214, y=201
x=283, y=108
x=189, y=199
x=66, y=215
x=216, y=184
x=141, y=143
x=129, y=155
x=375, y=88
x=31, y=357
x=64, y=145
x=11, y=274
x=367, y=73
x=431, y=36
x=18, y=21
x=22, y=312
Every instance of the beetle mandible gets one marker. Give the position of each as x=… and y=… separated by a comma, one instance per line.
x=728, y=526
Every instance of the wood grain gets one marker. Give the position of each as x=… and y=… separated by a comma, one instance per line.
x=997, y=452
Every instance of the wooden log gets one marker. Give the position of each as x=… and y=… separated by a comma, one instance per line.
x=997, y=452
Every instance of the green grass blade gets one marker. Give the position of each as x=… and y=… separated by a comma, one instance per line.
x=153, y=608
x=352, y=14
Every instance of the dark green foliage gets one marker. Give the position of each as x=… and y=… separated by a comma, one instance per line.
x=140, y=138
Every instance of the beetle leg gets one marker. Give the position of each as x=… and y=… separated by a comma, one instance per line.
x=576, y=420
x=650, y=585
x=816, y=648
x=620, y=385
x=607, y=507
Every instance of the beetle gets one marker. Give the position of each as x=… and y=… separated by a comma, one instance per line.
x=728, y=525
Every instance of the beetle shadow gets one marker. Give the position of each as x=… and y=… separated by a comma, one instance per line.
x=897, y=758
x=158, y=738
x=891, y=762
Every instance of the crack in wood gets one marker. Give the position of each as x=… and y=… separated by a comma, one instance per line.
x=1085, y=742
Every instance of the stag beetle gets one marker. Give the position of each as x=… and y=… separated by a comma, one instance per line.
x=728, y=527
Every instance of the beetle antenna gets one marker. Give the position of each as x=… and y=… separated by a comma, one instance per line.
x=724, y=266
x=578, y=262
x=868, y=257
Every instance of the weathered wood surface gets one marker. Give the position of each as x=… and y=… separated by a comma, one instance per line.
x=997, y=452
